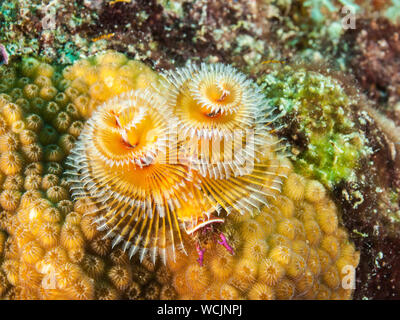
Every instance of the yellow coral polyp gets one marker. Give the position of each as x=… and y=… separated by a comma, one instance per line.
x=229, y=292
x=47, y=93
x=101, y=246
x=88, y=227
x=107, y=292
x=83, y=289
x=120, y=276
x=295, y=187
x=9, y=142
x=33, y=152
x=271, y=272
x=12, y=112
x=9, y=199
x=106, y=75
x=34, y=122
x=314, y=191
x=29, y=275
x=14, y=182
x=261, y=292
x=93, y=265
x=76, y=128
x=49, y=234
x=32, y=182
x=43, y=82
x=18, y=126
x=305, y=264
x=27, y=137
x=251, y=229
x=62, y=121
x=256, y=248
x=245, y=273
x=326, y=216
x=49, y=180
x=11, y=162
x=285, y=290
x=32, y=252
x=57, y=193
x=29, y=67
x=44, y=70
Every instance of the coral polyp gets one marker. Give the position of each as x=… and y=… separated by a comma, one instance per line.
x=275, y=264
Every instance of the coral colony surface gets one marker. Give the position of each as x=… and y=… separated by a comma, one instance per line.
x=215, y=150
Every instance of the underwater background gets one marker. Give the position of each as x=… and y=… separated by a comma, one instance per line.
x=322, y=78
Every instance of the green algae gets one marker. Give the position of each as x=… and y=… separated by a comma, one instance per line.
x=317, y=8
x=393, y=12
x=323, y=112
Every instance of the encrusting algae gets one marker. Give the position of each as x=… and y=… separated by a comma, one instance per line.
x=328, y=140
x=272, y=245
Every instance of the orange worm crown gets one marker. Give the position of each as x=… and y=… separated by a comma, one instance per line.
x=221, y=118
x=119, y=163
x=224, y=120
